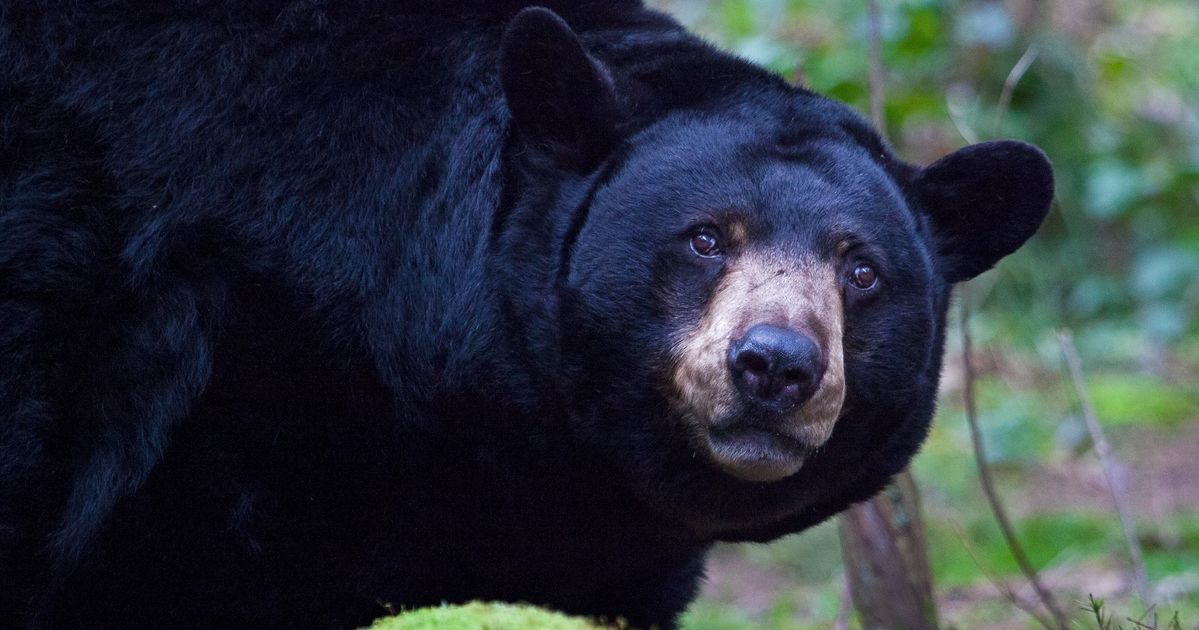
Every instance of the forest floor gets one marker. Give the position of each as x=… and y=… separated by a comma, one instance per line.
x=1064, y=513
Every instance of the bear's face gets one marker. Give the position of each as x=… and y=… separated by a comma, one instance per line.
x=743, y=277
x=751, y=291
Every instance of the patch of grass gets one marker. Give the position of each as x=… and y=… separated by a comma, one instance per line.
x=1140, y=399
x=1172, y=548
x=707, y=615
x=1018, y=425
x=1046, y=538
x=813, y=556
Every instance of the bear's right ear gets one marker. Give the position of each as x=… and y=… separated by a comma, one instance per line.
x=984, y=200
x=562, y=99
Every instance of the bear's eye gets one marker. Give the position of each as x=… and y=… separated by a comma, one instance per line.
x=863, y=277
x=705, y=244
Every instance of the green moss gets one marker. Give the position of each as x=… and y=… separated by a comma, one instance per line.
x=485, y=616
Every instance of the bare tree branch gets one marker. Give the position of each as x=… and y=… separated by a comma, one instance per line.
x=846, y=606
x=1109, y=464
x=882, y=540
x=988, y=482
x=1003, y=587
x=963, y=128
x=1009, y=85
x=878, y=77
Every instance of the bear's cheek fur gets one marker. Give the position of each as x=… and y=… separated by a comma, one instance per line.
x=770, y=287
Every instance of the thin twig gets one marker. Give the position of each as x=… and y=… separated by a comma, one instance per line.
x=963, y=128
x=1009, y=85
x=878, y=78
x=988, y=482
x=1003, y=587
x=1108, y=462
x=846, y=606
x=883, y=541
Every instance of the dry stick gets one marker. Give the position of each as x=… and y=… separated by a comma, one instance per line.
x=976, y=439
x=846, y=606
x=1001, y=586
x=1009, y=85
x=960, y=125
x=988, y=482
x=883, y=540
x=878, y=79
x=1108, y=462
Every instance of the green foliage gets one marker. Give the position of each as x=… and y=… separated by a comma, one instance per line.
x=1113, y=99
x=1134, y=399
x=956, y=555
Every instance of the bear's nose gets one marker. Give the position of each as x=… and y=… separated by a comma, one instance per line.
x=778, y=367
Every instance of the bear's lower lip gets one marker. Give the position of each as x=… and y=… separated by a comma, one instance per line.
x=755, y=453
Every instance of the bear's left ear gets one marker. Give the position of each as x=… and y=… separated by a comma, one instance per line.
x=984, y=200
x=562, y=99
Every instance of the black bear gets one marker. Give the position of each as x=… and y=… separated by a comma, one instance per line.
x=310, y=309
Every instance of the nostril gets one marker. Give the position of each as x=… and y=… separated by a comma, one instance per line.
x=750, y=361
x=794, y=375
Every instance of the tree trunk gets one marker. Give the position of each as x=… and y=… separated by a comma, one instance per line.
x=886, y=563
x=882, y=540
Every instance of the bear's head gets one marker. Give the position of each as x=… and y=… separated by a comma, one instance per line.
x=747, y=301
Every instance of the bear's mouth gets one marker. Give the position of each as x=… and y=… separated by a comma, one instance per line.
x=753, y=452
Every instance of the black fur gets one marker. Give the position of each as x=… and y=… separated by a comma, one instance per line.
x=311, y=308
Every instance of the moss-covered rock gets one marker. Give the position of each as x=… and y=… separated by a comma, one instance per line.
x=489, y=616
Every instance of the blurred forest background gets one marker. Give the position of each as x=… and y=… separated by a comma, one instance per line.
x=1112, y=95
